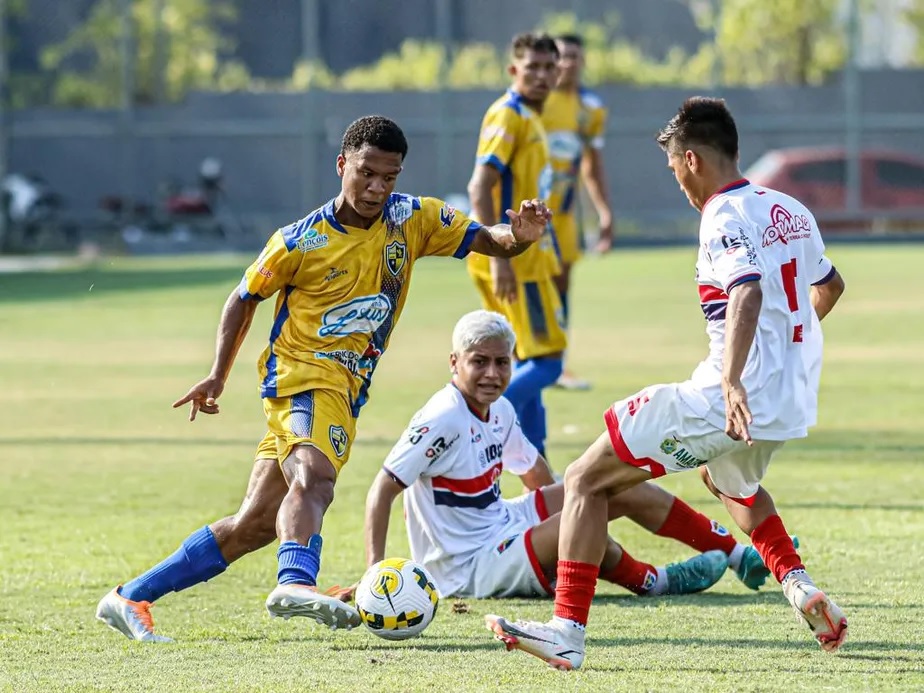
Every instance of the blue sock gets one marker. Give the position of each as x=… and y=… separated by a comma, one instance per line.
x=532, y=420
x=530, y=378
x=299, y=564
x=198, y=559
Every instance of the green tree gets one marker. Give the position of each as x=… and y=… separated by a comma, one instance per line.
x=914, y=15
x=179, y=51
x=782, y=42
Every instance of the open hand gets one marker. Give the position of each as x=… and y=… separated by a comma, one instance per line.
x=202, y=397
x=529, y=223
x=737, y=414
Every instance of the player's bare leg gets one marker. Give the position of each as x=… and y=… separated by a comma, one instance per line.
x=762, y=523
x=311, y=478
x=253, y=526
x=205, y=554
x=589, y=483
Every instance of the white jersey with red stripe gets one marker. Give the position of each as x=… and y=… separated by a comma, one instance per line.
x=751, y=233
x=450, y=461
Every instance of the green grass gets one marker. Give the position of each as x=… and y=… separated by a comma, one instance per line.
x=99, y=478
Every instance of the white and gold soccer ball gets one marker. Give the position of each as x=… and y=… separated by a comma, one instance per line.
x=397, y=599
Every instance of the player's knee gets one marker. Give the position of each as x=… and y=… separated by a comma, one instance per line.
x=317, y=490
x=581, y=478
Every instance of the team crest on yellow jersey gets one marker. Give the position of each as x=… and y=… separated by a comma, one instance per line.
x=338, y=440
x=395, y=257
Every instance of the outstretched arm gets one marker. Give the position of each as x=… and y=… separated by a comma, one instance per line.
x=236, y=317
x=379, y=500
x=508, y=240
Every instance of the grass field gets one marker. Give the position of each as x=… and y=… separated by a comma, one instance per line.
x=99, y=478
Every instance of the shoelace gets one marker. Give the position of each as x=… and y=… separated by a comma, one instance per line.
x=142, y=611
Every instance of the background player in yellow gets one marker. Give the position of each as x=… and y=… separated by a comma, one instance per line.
x=341, y=275
x=575, y=120
x=512, y=163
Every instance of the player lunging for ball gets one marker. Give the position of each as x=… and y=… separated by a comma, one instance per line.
x=340, y=276
x=763, y=282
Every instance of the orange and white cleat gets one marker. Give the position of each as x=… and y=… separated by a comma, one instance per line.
x=823, y=616
x=558, y=644
x=304, y=600
x=131, y=619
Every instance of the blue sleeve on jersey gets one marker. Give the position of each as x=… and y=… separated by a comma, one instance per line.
x=493, y=161
x=394, y=477
x=467, y=239
x=246, y=295
x=753, y=277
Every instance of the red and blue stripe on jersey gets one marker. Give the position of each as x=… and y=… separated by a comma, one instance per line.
x=477, y=492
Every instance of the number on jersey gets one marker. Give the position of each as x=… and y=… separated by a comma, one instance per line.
x=789, y=272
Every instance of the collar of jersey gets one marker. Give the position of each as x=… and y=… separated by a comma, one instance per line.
x=487, y=416
x=328, y=213
x=734, y=185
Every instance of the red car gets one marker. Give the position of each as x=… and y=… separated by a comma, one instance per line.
x=891, y=186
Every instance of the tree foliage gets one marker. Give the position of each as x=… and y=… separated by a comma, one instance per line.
x=914, y=15
x=781, y=42
x=183, y=50
x=745, y=43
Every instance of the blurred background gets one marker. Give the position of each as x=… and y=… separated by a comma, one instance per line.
x=147, y=126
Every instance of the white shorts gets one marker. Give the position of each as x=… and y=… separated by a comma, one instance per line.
x=655, y=431
x=509, y=567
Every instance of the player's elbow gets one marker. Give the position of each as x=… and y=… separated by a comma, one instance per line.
x=836, y=287
x=477, y=190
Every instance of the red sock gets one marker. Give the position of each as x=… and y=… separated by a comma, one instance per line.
x=775, y=546
x=634, y=575
x=574, y=590
x=694, y=529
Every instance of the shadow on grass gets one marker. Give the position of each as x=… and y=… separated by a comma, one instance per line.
x=709, y=599
x=53, y=286
x=863, y=646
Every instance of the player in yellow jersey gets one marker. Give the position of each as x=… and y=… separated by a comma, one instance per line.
x=575, y=121
x=340, y=276
x=513, y=162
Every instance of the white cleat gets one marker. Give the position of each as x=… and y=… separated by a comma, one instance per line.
x=301, y=600
x=823, y=616
x=557, y=644
x=131, y=619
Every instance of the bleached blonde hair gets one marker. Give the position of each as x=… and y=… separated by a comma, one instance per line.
x=478, y=326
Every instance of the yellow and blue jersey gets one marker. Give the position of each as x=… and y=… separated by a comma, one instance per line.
x=513, y=141
x=341, y=290
x=575, y=121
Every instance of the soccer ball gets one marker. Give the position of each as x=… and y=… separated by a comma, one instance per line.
x=397, y=599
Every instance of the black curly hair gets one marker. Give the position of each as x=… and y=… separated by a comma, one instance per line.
x=375, y=131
